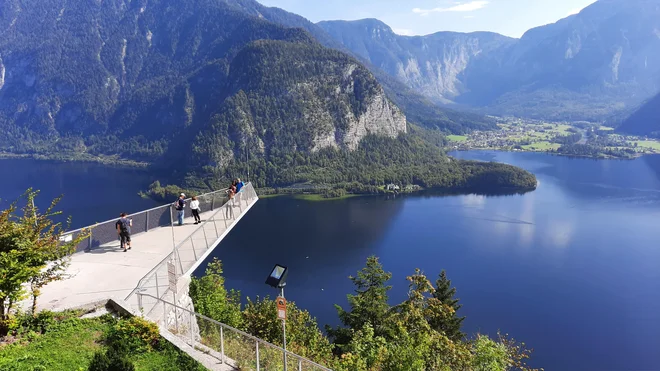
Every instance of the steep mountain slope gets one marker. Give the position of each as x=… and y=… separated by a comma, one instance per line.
x=121, y=72
x=586, y=66
x=432, y=65
x=190, y=86
x=418, y=108
x=644, y=121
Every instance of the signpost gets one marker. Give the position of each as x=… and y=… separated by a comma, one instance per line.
x=281, y=308
x=171, y=276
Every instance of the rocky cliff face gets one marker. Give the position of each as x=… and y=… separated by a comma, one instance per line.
x=143, y=78
x=433, y=64
x=586, y=66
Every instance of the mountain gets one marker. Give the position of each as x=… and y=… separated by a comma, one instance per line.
x=418, y=108
x=128, y=77
x=586, y=66
x=644, y=121
x=193, y=87
x=432, y=65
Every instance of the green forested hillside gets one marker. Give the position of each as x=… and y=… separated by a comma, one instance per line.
x=193, y=86
x=644, y=121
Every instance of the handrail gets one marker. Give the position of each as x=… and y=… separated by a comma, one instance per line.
x=242, y=333
x=144, y=211
x=176, y=248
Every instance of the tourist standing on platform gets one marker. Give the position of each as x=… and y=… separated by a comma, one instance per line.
x=194, y=207
x=123, y=226
x=239, y=185
x=180, y=205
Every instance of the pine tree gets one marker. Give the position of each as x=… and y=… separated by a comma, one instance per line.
x=449, y=324
x=369, y=305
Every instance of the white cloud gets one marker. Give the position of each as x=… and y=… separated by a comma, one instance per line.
x=468, y=16
x=458, y=7
x=403, y=31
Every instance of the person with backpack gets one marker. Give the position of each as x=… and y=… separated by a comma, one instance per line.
x=123, y=226
x=180, y=206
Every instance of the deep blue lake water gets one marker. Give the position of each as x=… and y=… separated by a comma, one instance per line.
x=572, y=269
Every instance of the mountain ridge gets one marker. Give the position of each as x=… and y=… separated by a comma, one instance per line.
x=586, y=66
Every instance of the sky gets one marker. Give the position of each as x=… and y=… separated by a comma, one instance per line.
x=423, y=17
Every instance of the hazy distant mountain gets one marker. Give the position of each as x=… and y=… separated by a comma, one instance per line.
x=645, y=120
x=586, y=66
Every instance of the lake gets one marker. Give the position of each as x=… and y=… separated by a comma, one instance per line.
x=572, y=269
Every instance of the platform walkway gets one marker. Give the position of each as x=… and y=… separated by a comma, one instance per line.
x=103, y=270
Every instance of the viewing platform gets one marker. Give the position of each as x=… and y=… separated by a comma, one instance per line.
x=100, y=269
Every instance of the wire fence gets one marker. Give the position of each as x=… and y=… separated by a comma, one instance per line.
x=228, y=345
x=189, y=253
x=143, y=221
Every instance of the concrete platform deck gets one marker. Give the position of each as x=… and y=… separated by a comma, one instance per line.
x=107, y=272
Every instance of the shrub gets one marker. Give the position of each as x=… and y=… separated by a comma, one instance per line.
x=134, y=335
x=112, y=360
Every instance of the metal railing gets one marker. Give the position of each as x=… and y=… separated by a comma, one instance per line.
x=188, y=254
x=225, y=343
x=143, y=221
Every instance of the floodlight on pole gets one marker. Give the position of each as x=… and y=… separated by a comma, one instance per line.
x=277, y=279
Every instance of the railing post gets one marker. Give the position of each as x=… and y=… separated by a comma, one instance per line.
x=89, y=240
x=205, y=238
x=257, y=342
x=299, y=364
x=157, y=288
x=222, y=344
x=213, y=202
x=193, y=247
x=192, y=332
x=140, y=302
x=146, y=228
x=178, y=257
x=215, y=226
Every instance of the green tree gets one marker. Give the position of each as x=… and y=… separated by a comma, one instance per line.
x=369, y=304
x=212, y=299
x=32, y=251
x=489, y=355
x=303, y=335
x=450, y=324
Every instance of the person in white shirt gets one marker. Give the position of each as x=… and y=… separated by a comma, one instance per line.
x=194, y=207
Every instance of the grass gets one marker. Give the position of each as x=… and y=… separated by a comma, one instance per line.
x=648, y=144
x=69, y=343
x=542, y=146
x=68, y=346
x=457, y=138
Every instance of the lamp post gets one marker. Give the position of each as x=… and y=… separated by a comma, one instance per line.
x=277, y=279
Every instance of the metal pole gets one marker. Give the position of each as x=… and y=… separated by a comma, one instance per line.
x=157, y=288
x=140, y=301
x=172, y=227
x=222, y=344
x=146, y=229
x=176, y=315
x=283, y=330
x=257, y=343
x=192, y=332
